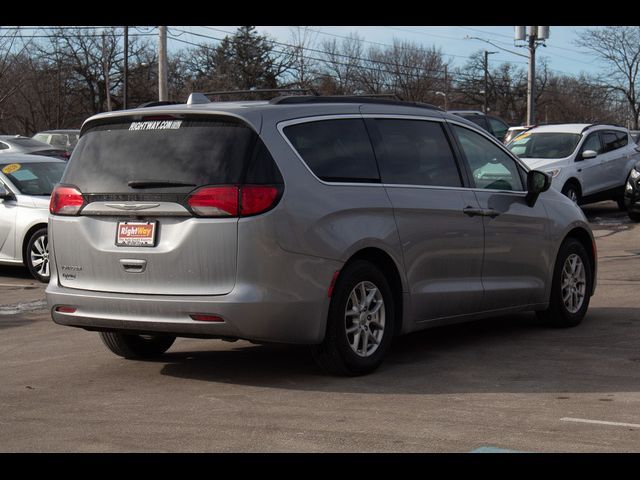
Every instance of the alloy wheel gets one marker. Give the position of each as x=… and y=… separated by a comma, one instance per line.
x=365, y=319
x=39, y=256
x=573, y=283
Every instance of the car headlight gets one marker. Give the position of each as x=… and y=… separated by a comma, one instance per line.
x=556, y=171
x=635, y=174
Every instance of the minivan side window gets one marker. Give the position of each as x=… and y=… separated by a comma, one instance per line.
x=491, y=168
x=415, y=152
x=335, y=150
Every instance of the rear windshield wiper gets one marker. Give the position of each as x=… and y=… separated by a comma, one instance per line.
x=158, y=184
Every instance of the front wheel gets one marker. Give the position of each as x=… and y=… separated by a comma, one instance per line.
x=360, y=324
x=37, y=255
x=137, y=346
x=571, y=190
x=571, y=286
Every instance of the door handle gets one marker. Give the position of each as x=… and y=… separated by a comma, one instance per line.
x=472, y=212
x=481, y=212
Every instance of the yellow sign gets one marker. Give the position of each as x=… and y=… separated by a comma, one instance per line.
x=12, y=167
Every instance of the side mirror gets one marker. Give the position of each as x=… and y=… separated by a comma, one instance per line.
x=4, y=193
x=587, y=154
x=537, y=182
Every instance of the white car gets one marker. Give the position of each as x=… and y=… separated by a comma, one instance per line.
x=26, y=182
x=587, y=162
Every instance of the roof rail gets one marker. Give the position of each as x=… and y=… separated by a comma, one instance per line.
x=601, y=125
x=307, y=99
x=157, y=103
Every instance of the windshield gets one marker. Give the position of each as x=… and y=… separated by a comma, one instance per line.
x=544, y=145
x=26, y=142
x=34, y=178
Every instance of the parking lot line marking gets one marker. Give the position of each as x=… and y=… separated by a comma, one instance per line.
x=600, y=422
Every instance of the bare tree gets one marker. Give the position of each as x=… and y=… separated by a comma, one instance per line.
x=618, y=47
x=303, y=65
x=342, y=65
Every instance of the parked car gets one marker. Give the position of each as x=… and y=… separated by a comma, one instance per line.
x=26, y=182
x=337, y=222
x=490, y=123
x=588, y=162
x=632, y=194
x=65, y=139
x=635, y=134
x=11, y=144
x=513, y=132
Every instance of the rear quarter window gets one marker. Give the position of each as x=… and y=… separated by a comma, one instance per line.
x=335, y=150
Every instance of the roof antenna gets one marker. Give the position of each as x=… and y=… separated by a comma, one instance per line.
x=196, y=98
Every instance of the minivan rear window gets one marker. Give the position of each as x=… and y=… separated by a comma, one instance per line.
x=336, y=150
x=192, y=152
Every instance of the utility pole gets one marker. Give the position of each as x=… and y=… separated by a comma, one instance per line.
x=446, y=88
x=126, y=67
x=535, y=35
x=162, y=65
x=531, y=79
x=486, y=78
x=106, y=67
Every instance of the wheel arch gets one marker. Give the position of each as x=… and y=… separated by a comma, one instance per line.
x=391, y=271
x=574, y=181
x=27, y=236
x=588, y=242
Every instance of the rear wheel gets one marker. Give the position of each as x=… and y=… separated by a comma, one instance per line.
x=37, y=255
x=360, y=324
x=137, y=346
x=571, y=286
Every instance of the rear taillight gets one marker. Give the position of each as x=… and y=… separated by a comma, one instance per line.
x=256, y=199
x=214, y=202
x=233, y=201
x=66, y=201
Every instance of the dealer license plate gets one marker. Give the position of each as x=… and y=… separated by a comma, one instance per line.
x=136, y=234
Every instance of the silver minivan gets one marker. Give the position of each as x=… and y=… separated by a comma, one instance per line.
x=337, y=222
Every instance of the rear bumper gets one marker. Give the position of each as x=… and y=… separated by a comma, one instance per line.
x=249, y=314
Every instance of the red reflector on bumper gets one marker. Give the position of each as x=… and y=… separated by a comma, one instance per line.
x=65, y=309
x=206, y=318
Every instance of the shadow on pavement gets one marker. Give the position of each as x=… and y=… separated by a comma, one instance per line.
x=17, y=271
x=508, y=354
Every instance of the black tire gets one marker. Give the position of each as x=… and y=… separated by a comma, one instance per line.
x=137, y=346
x=37, y=255
x=634, y=216
x=572, y=191
x=335, y=354
x=622, y=206
x=558, y=314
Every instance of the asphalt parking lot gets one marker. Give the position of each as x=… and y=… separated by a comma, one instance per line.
x=504, y=384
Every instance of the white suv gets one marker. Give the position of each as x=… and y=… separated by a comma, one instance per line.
x=588, y=162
